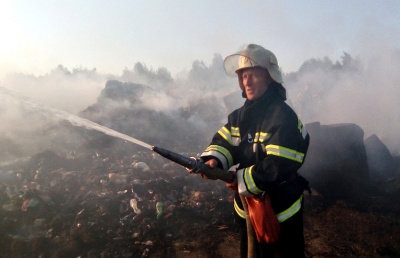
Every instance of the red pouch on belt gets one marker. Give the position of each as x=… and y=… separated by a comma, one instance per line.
x=263, y=218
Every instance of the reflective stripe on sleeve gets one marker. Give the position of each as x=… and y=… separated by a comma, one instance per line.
x=235, y=141
x=302, y=129
x=232, y=137
x=284, y=152
x=235, y=132
x=221, y=154
x=304, y=133
x=226, y=134
x=261, y=137
x=246, y=184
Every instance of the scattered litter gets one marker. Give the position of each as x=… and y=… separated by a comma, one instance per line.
x=133, y=203
x=159, y=208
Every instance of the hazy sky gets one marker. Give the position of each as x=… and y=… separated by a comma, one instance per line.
x=36, y=36
x=113, y=36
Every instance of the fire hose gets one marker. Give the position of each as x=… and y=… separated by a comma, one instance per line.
x=195, y=165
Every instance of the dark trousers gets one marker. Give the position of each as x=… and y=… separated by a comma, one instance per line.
x=291, y=239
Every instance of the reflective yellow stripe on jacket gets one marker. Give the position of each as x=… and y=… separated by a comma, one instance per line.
x=232, y=136
x=248, y=181
x=220, y=153
x=289, y=212
x=283, y=152
x=282, y=216
x=239, y=211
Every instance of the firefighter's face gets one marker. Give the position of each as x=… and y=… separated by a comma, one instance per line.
x=255, y=81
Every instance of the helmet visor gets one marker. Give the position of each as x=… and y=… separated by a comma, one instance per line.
x=236, y=62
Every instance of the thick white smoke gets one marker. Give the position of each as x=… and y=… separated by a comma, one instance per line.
x=70, y=91
x=363, y=90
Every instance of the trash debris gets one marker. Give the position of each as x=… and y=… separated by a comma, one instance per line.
x=133, y=203
x=140, y=166
x=111, y=212
x=159, y=208
x=119, y=179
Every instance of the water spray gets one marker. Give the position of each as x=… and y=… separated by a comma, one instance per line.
x=193, y=165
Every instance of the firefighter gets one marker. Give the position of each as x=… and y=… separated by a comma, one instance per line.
x=266, y=143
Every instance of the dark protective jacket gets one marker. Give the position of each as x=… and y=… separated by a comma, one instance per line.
x=268, y=143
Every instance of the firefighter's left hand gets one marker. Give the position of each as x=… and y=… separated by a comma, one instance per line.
x=234, y=185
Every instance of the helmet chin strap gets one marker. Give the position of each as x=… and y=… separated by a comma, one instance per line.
x=244, y=94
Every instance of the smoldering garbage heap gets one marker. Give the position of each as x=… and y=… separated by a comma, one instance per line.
x=112, y=208
x=107, y=198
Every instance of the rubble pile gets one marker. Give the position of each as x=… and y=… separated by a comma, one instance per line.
x=340, y=164
x=120, y=107
x=127, y=207
x=336, y=162
x=144, y=206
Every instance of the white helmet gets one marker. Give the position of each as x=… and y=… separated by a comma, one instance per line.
x=253, y=56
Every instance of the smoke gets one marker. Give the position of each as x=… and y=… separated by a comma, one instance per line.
x=363, y=90
x=70, y=91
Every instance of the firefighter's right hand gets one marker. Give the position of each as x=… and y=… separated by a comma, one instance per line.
x=234, y=185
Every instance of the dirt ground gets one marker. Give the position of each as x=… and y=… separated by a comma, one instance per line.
x=332, y=229
x=340, y=229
